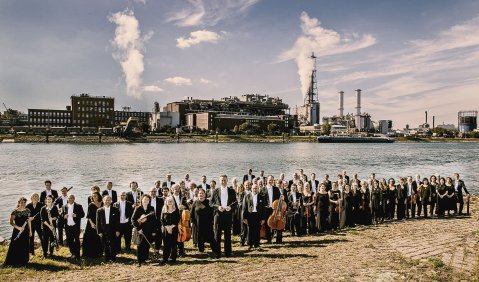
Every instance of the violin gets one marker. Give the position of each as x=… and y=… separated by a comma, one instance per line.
x=184, y=229
x=262, y=232
x=277, y=219
x=144, y=217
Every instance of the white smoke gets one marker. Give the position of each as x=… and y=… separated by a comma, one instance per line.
x=322, y=42
x=129, y=45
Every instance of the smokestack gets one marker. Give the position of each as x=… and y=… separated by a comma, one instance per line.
x=426, y=117
x=358, y=102
x=433, y=121
x=341, y=103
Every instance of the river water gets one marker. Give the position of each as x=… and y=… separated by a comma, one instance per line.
x=24, y=167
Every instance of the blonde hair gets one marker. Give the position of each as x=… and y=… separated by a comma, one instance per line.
x=165, y=206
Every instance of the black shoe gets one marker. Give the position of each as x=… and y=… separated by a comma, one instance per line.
x=250, y=248
x=173, y=262
x=163, y=263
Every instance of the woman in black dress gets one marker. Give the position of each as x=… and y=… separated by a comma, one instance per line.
x=384, y=199
x=18, y=250
x=441, y=197
x=308, y=215
x=49, y=215
x=451, y=200
x=35, y=206
x=348, y=199
x=170, y=217
x=401, y=198
x=391, y=199
x=433, y=183
x=143, y=219
x=334, y=196
x=239, y=188
x=365, y=204
x=92, y=247
x=202, y=219
x=322, y=208
x=376, y=207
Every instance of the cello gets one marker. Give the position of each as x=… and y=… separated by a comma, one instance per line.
x=277, y=220
x=184, y=229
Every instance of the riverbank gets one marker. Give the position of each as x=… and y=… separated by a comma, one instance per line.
x=191, y=138
x=414, y=250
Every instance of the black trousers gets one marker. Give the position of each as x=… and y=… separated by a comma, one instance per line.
x=60, y=227
x=109, y=243
x=47, y=241
x=125, y=232
x=269, y=232
x=37, y=227
x=295, y=224
x=254, y=228
x=143, y=248
x=410, y=208
x=73, y=239
x=222, y=224
x=401, y=209
x=422, y=207
x=244, y=232
x=419, y=207
x=460, y=200
x=158, y=238
x=170, y=245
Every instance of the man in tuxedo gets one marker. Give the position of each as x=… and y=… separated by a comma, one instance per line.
x=411, y=191
x=203, y=184
x=294, y=180
x=181, y=204
x=302, y=176
x=345, y=178
x=134, y=196
x=73, y=213
x=415, y=185
x=158, y=187
x=108, y=228
x=459, y=186
x=125, y=211
x=168, y=183
x=271, y=193
x=261, y=176
x=48, y=192
x=355, y=180
x=224, y=202
x=327, y=182
x=313, y=183
x=157, y=203
x=60, y=202
x=241, y=202
x=252, y=213
x=295, y=200
x=249, y=176
x=110, y=192
x=187, y=180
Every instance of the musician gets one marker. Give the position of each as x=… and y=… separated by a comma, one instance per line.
x=110, y=192
x=249, y=176
x=309, y=224
x=410, y=207
x=191, y=194
x=36, y=224
x=348, y=204
x=143, y=219
x=19, y=247
x=157, y=204
x=187, y=180
x=459, y=186
x=321, y=200
x=224, y=203
x=93, y=190
x=271, y=193
x=108, y=228
x=376, y=203
x=203, y=184
x=165, y=191
x=327, y=182
x=261, y=176
x=364, y=204
x=384, y=199
x=209, y=192
x=48, y=216
x=424, y=196
x=442, y=197
x=237, y=215
x=168, y=183
x=294, y=180
x=169, y=221
x=391, y=199
x=433, y=183
x=73, y=213
x=303, y=177
x=48, y=191
x=334, y=197
x=158, y=187
x=355, y=203
x=345, y=177
x=313, y=183
x=451, y=196
x=125, y=209
x=92, y=245
x=134, y=196
x=252, y=211
x=180, y=204
x=355, y=180
x=401, y=199
x=295, y=202
x=416, y=185
x=60, y=202
x=202, y=221
x=241, y=198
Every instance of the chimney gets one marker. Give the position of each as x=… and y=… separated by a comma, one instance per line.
x=358, y=102
x=426, y=117
x=341, y=103
x=433, y=121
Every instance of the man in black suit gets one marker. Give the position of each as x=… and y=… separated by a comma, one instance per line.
x=248, y=177
x=125, y=211
x=108, y=228
x=168, y=183
x=203, y=184
x=313, y=183
x=271, y=193
x=459, y=186
x=224, y=202
x=253, y=209
x=181, y=204
x=60, y=202
x=345, y=177
x=327, y=182
x=302, y=176
x=48, y=191
x=134, y=196
x=295, y=180
x=415, y=185
x=157, y=203
x=261, y=176
x=110, y=192
x=73, y=213
x=295, y=201
x=411, y=191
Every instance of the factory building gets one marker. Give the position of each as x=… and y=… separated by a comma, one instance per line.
x=126, y=113
x=50, y=118
x=385, y=126
x=92, y=111
x=467, y=121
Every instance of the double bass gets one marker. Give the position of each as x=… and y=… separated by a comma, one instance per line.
x=277, y=220
x=184, y=229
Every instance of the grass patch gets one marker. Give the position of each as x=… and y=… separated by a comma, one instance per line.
x=436, y=262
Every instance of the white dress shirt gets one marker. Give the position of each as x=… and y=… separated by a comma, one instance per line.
x=255, y=202
x=107, y=215
x=270, y=194
x=177, y=200
x=123, y=218
x=70, y=221
x=64, y=200
x=313, y=186
x=294, y=197
x=153, y=203
x=224, y=197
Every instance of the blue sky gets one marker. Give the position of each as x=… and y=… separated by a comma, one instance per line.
x=406, y=56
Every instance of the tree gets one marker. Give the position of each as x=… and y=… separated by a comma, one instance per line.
x=326, y=128
x=245, y=127
x=272, y=128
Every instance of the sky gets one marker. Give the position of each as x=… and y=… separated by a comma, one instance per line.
x=406, y=56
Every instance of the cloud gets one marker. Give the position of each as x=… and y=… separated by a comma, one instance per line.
x=152, y=88
x=129, y=47
x=179, y=81
x=205, y=81
x=209, y=13
x=197, y=37
x=323, y=42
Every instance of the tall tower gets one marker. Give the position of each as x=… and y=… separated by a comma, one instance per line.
x=313, y=84
x=341, y=103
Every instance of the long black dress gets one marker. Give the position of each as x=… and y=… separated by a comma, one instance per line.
x=451, y=202
x=170, y=245
x=333, y=214
x=147, y=228
x=202, y=219
x=349, y=205
x=365, y=207
x=92, y=246
x=384, y=202
x=18, y=251
x=322, y=211
x=36, y=224
x=442, y=199
x=309, y=223
x=376, y=206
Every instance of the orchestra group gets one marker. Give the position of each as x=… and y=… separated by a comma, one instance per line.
x=254, y=208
